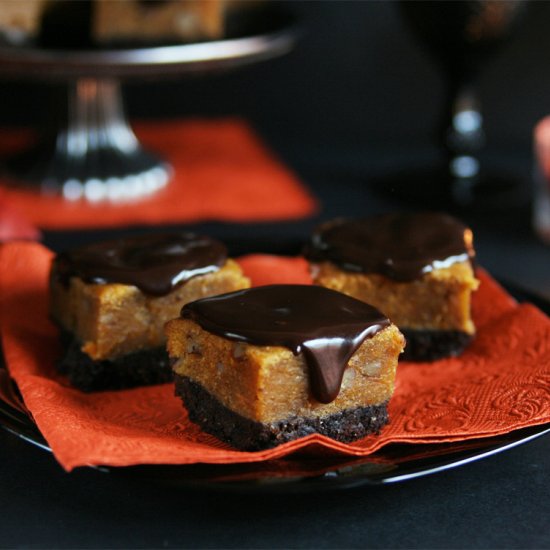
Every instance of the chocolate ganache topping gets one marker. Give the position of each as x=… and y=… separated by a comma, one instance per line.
x=325, y=325
x=156, y=263
x=403, y=247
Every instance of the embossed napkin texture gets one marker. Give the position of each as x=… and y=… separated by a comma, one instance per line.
x=222, y=171
x=501, y=383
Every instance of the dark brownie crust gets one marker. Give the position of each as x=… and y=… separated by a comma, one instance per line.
x=249, y=435
x=429, y=345
x=143, y=368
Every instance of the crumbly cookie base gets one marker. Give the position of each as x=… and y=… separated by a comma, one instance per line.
x=143, y=368
x=429, y=345
x=248, y=435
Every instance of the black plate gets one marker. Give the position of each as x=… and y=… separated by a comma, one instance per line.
x=302, y=472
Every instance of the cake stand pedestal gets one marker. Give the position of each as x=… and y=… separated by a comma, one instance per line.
x=93, y=153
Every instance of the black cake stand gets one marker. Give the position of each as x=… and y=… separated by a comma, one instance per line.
x=92, y=153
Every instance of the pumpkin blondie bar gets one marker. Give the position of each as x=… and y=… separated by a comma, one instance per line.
x=112, y=299
x=417, y=268
x=270, y=364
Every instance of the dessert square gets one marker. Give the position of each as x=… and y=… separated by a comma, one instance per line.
x=20, y=20
x=112, y=22
x=112, y=299
x=416, y=268
x=153, y=21
x=263, y=366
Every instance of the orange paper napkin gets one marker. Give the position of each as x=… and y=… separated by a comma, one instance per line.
x=14, y=226
x=222, y=171
x=501, y=383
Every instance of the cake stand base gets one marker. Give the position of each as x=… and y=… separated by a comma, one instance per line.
x=93, y=153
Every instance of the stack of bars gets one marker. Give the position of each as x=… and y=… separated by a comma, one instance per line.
x=111, y=301
x=257, y=367
x=113, y=22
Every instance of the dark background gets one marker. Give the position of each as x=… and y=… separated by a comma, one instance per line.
x=358, y=97
x=358, y=81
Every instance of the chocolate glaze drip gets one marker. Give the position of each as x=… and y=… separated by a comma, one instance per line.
x=156, y=263
x=402, y=247
x=325, y=325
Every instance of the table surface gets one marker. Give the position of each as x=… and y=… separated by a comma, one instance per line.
x=500, y=502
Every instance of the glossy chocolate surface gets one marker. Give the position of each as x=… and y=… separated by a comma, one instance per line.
x=325, y=325
x=156, y=263
x=403, y=247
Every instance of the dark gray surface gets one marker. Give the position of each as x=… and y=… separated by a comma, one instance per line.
x=500, y=502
